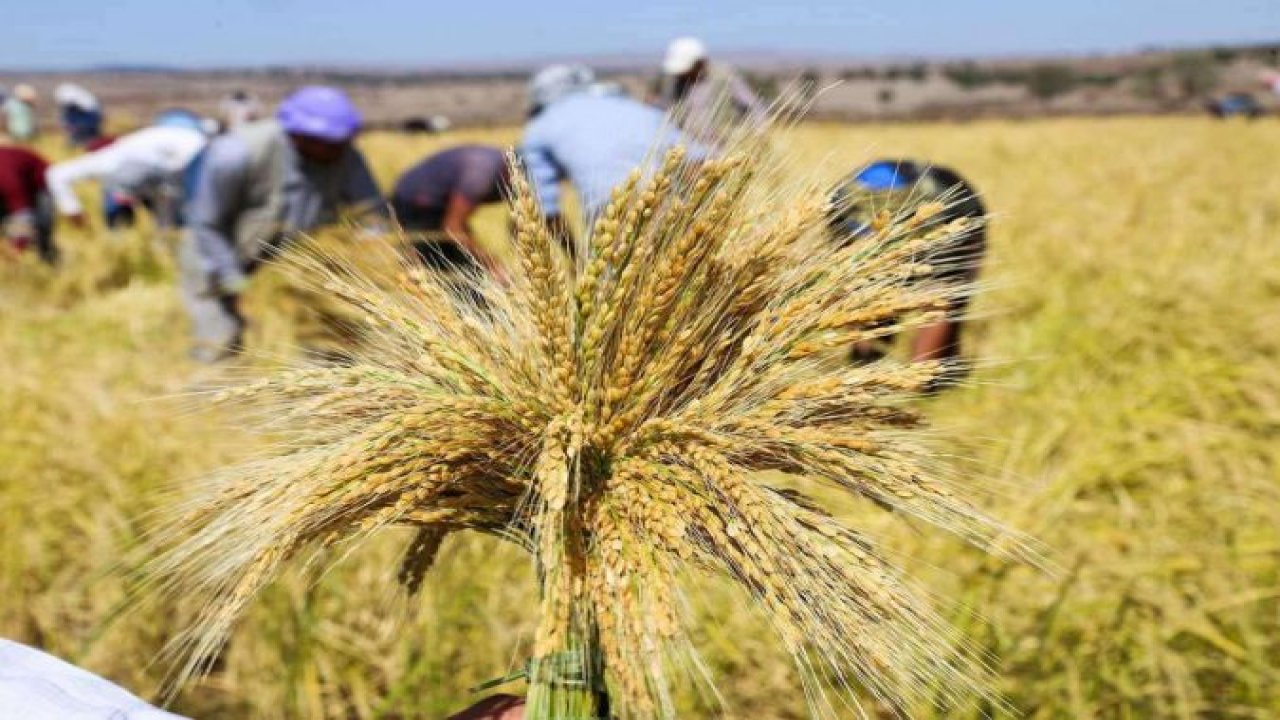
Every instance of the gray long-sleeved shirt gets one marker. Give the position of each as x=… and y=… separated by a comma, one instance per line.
x=311, y=196
x=715, y=104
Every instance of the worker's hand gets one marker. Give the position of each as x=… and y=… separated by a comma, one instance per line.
x=498, y=707
x=78, y=220
x=120, y=197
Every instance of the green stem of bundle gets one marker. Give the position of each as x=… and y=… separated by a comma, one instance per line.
x=569, y=684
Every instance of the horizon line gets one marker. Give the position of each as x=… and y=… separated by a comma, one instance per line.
x=624, y=61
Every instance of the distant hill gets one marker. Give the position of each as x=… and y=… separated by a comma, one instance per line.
x=1148, y=81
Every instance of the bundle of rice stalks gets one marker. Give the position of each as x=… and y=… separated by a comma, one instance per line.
x=665, y=407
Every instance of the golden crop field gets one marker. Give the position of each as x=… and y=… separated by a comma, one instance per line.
x=1126, y=413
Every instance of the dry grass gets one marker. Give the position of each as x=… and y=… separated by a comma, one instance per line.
x=1133, y=432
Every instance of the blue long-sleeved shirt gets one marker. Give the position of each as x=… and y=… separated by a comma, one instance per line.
x=593, y=141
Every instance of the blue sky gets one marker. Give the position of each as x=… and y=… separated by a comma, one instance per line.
x=76, y=33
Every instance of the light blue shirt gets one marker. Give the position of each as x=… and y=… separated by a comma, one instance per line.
x=593, y=141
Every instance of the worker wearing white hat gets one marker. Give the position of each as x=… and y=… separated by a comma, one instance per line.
x=81, y=114
x=707, y=99
x=72, y=94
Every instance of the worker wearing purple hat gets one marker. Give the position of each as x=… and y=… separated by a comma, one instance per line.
x=257, y=186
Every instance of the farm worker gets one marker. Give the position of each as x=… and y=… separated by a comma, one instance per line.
x=895, y=184
x=26, y=214
x=592, y=140
x=239, y=108
x=147, y=167
x=707, y=99
x=38, y=686
x=434, y=201
x=20, y=113
x=258, y=185
x=80, y=113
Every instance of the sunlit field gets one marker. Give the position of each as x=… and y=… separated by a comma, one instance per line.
x=1126, y=410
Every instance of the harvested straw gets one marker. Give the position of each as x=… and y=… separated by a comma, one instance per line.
x=616, y=419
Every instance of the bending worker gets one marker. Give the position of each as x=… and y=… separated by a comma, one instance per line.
x=590, y=139
x=434, y=200
x=258, y=185
x=147, y=166
x=707, y=99
x=26, y=215
x=895, y=185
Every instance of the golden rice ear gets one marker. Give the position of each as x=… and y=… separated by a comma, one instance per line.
x=418, y=558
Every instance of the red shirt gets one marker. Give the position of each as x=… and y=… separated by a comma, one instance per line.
x=21, y=179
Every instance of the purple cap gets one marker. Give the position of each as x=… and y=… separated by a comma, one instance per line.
x=320, y=112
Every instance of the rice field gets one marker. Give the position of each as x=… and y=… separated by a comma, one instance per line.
x=1126, y=411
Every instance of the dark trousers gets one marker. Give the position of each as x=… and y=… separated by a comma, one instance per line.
x=425, y=228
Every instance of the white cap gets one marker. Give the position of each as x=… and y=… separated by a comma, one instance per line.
x=76, y=96
x=557, y=81
x=682, y=54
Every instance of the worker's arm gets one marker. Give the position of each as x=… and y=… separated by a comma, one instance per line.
x=746, y=100
x=215, y=204
x=360, y=191
x=63, y=177
x=457, y=224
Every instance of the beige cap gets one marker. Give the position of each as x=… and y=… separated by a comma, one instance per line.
x=25, y=93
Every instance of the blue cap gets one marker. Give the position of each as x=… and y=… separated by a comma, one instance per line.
x=320, y=112
x=882, y=176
